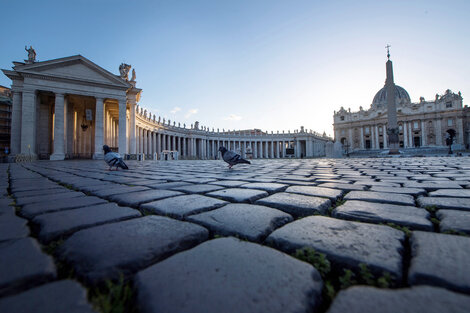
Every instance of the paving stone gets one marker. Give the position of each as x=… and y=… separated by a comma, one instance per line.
x=370, y=212
x=33, y=209
x=5, y=207
x=341, y=186
x=269, y=187
x=136, y=198
x=12, y=227
x=454, y=220
x=402, y=190
x=181, y=206
x=445, y=203
x=167, y=185
x=198, y=188
x=117, y=190
x=62, y=223
x=248, y=221
x=103, y=252
x=229, y=183
x=332, y=194
x=48, y=197
x=32, y=193
x=380, y=197
x=56, y=297
x=295, y=204
x=459, y=193
x=440, y=260
x=228, y=275
x=430, y=186
x=23, y=264
x=238, y=194
x=346, y=244
x=422, y=299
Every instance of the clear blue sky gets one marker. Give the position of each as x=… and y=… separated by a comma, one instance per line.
x=243, y=64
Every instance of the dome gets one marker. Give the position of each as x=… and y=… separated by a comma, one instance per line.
x=401, y=96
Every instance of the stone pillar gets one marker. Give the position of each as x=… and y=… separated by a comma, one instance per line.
x=410, y=132
x=350, y=139
x=377, y=145
x=174, y=144
x=145, y=141
x=439, y=132
x=59, y=128
x=122, y=126
x=28, y=123
x=154, y=138
x=159, y=143
x=183, y=151
x=132, y=130
x=272, y=149
x=424, y=139
x=362, y=138
x=260, y=149
x=460, y=133
x=15, y=141
x=255, y=150
x=384, y=133
x=99, y=128
x=405, y=135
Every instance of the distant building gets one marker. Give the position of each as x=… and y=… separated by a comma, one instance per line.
x=426, y=123
x=5, y=121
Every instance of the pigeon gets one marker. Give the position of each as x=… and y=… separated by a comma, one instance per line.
x=231, y=157
x=113, y=159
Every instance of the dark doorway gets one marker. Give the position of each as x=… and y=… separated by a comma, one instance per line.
x=417, y=141
x=368, y=146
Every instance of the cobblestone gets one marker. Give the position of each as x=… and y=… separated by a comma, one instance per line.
x=175, y=260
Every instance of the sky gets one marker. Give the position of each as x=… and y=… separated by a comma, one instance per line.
x=266, y=64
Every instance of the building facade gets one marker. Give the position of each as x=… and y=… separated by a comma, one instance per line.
x=70, y=107
x=426, y=123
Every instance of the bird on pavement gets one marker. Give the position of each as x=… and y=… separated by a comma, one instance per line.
x=113, y=159
x=231, y=157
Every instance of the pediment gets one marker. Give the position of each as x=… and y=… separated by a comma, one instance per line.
x=73, y=68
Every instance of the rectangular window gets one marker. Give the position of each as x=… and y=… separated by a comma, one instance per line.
x=448, y=104
x=415, y=125
x=367, y=130
x=400, y=127
x=449, y=122
x=342, y=118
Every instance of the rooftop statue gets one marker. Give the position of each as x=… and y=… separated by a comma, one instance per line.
x=124, y=71
x=133, y=75
x=31, y=54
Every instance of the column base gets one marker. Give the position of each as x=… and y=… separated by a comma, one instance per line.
x=98, y=156
x=57, y=157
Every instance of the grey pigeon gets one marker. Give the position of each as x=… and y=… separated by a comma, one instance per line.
x=231, y=157
x=113, y=159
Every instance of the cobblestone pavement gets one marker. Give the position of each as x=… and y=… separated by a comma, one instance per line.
x=319, y=235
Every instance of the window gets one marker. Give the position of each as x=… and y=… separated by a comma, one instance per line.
x=342, y=118
x=380, y=129
x=449, y=104
x=367, y=130
x=449, y=122
x=342, y=132
x=415, y=125
x=400, y=127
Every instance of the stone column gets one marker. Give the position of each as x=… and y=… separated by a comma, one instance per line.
x=384, y=133
x=439, y=132
x=405, y=137
x=350, y=138
x=362, y=138
x=154, y=138
x=377, y=144
x=132, y=130
x=28, y=123
x=99, y=128
x=183, y=151
x=424, y=141
x=59, y=129
x=272, y=149
x=15, y=141
x=122, y=126
x=255, y=150
x=174, y=143
x=260, y=149
x=460, y=133
x=159, y=143
x=145, y=141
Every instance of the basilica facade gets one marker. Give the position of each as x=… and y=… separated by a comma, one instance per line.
x=423, y=124
x=70, y=107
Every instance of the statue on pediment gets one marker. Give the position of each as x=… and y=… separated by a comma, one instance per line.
x=133, y=75
x=184, y=125
x=124, y=71
x=163, y=121
x=159, y=118
x=31, y=54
